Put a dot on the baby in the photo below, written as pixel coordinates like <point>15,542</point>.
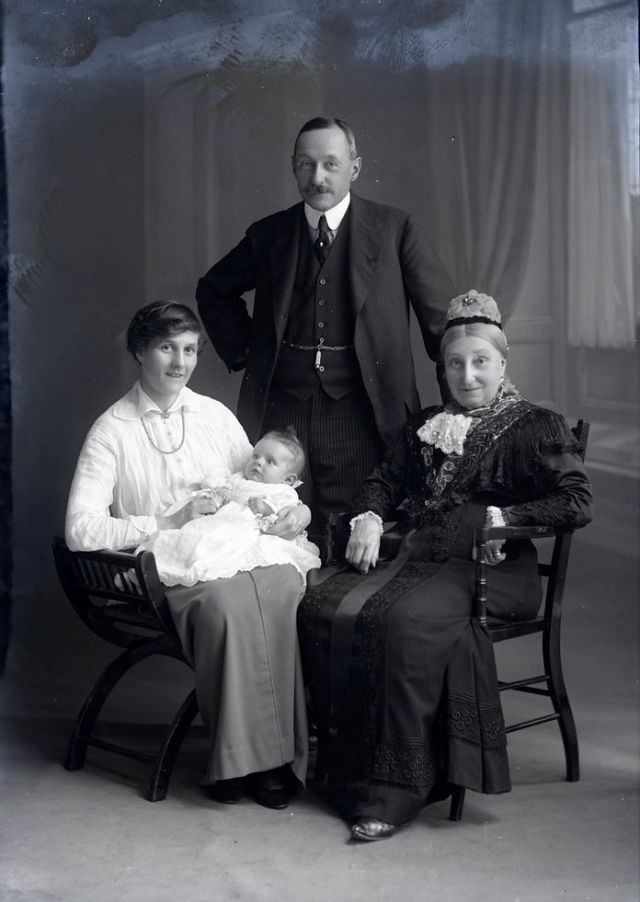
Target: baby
<point>235,537</point>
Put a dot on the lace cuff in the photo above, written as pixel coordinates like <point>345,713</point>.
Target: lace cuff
<point>495,517</point>
<point>367,515</point>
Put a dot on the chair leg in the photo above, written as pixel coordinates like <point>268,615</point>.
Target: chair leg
<point>560,699</point>
<point>457,803</point>
<point>159,773</point>
<point>111,675</point>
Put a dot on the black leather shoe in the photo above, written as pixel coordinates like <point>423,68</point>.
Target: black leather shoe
<point>273,788</point>
<point>227,791</point>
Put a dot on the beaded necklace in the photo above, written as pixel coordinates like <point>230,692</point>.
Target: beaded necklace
<point>161,450</point>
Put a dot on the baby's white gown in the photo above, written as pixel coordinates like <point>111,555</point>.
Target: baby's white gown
<point>222,544</point>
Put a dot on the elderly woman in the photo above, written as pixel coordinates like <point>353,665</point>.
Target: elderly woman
<point>157,443</point>
<point>399,672</point>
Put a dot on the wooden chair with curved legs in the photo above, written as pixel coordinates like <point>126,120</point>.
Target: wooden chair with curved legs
<point>550,683</point>
<point>119,597</point>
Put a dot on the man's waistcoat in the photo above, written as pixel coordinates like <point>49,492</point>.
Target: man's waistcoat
<point>320,314</point>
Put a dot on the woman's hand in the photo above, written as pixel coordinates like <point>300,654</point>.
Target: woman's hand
<point>363,546</point>
<point>493,553</point>
<point>291,521</point>
<point>204,501</point>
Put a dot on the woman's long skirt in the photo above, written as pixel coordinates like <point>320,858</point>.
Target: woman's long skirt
<point>239,635</point>
<point>404,680</point>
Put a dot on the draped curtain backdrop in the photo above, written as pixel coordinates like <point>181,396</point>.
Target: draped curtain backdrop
<point>495,114</point>
<point>482,115</point>
<point>600,265</point>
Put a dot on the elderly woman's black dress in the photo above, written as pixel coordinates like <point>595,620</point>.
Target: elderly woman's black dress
<point>399,673</point>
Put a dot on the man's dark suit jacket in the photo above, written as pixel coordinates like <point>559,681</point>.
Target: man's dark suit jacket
<point>390,267</point>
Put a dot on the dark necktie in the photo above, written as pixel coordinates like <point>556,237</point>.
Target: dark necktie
<point>323,241</point>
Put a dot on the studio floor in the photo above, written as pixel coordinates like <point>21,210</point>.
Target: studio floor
<point>88,836</point>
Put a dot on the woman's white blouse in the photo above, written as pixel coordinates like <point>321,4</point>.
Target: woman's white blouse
<point>122,482</point>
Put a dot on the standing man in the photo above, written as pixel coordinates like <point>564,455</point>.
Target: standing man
<point>327,346</point>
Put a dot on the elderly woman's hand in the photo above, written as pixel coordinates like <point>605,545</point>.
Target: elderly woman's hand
<point>363,546</point>
<point>291,521</point>
<point>493,553</point>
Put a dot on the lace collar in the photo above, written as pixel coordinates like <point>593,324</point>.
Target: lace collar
<point>448,430</point>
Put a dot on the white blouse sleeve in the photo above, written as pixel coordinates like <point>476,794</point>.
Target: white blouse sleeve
<point>239,445</point>
<point>89,525</point>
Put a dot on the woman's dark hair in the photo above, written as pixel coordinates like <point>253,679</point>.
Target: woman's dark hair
<point>158,320</point>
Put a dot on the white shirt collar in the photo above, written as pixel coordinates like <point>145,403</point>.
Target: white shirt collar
<point>137,402</point>
<point>334,216</point>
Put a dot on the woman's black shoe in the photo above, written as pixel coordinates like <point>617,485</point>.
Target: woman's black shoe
<point>272,788</point>
<point>227,791</point>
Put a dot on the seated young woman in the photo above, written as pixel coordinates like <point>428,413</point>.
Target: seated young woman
<point>157,443</point>
<point>399,672</point>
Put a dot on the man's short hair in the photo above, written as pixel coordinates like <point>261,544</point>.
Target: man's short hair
<point>320,122</point>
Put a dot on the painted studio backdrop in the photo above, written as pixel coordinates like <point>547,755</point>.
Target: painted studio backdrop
<point>143,138</point>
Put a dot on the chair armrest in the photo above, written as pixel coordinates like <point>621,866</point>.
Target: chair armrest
<point>484,534</point>
<point>488,533</point>
<point>130,580</point>
<point>391,539</point>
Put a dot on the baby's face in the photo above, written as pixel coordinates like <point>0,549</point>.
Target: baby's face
<point>270,462</point>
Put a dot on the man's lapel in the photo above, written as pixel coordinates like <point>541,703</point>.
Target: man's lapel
<point>283,258</point>
<point>364,250</point>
